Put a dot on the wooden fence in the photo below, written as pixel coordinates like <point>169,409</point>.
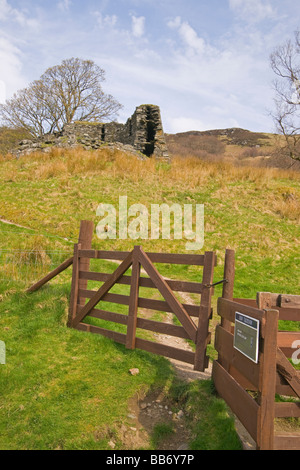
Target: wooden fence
<point>249,388</point>
<point>194,319</point>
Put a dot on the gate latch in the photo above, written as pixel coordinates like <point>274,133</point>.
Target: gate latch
<point>224,281</point>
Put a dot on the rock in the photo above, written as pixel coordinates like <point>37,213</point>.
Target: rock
<point>134,371</point>
<point>111,444</point>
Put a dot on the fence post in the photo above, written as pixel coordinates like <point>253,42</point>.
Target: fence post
<point>227,293</point>
<point>204,311</point>
<point>267,385</point>
<point>74,286</point>
<point>133,299</point>
<point>85,240</point>
<point>229,272</point>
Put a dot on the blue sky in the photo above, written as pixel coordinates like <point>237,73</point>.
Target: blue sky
<point>204,62</point>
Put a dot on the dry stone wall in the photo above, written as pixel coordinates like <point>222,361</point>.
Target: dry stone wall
<point>142,133</point>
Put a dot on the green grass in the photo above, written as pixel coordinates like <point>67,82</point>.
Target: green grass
<point>212,424</point>
<point>160,432</point>
<point>61,388</point>
<point>65,389</point>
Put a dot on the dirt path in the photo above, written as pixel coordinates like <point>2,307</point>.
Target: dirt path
<point>156,408</point>
<point>183,370</point>
<point>147,411</point>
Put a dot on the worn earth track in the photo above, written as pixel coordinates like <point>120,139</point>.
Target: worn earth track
<point>145,412</point>
<point>156,408</point>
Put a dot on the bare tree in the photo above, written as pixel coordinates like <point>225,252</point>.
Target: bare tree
<point>285,62</point>
<point>63,94</point>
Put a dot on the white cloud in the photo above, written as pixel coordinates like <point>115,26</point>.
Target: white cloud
<point>175,22</point>
<point>13,20</point>
<point>138,26</point>
<point>194,43</point>
<point>5,10</point>
<point>107,20</point>
<point>191,38</point>
<point>11,66</point>
<point>185,124</point>
<point>7,13</point>
<point>110,20</point>
<point>252,10</point>
<point>64,5</point>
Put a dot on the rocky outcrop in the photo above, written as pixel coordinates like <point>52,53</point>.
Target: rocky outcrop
<point>142,134</point>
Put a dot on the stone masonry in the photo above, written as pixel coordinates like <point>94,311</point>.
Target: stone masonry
<point>142,133</point>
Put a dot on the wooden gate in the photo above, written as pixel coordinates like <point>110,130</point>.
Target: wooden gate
<point>194,319</point>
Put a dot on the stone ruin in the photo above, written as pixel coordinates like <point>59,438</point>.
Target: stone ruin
<point>141,134</point>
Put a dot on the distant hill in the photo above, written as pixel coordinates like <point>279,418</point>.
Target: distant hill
<point>236,145</point>
<point>232,136</point>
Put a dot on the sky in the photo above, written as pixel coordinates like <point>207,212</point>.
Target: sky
<point>205,63</point>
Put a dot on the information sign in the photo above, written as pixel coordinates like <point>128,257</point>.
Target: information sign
<point>246,336</point>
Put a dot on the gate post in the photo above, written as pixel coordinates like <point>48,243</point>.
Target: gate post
<point>229,271</point>
<point>85,240</point>
<point>133,299</point>
<point>267,383</point>
<point>227,293</point>
<point>74,286</point>
<point>201,360</point>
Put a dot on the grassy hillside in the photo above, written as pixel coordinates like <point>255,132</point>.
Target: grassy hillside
<point>66,389</point>
<point>254,211</point>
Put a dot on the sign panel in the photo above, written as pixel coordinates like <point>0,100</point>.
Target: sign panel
<point>246,336</point>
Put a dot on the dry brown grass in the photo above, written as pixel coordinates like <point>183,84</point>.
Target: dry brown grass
<point>288,205</point>
<point>192,171</point>
<point>195,172</point>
